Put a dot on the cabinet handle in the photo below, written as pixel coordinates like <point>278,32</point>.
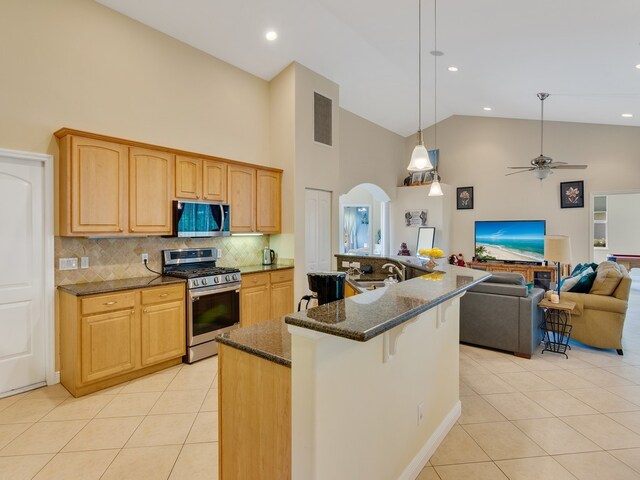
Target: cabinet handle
<point>122,229</point>
<point>110,303</point>
<point>133,229</point>
<point>164,295</point>
<point>133,312</point>
<point>145,311</point>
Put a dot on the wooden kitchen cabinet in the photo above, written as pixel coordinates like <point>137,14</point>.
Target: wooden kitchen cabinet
<point>268,201</point>
<point>214,181</point>
<point>242,198</point>
<point>188,178</point>
<point>265,295</point>
<point>108,339</point>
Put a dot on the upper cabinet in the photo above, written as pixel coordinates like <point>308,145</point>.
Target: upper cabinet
<point>268,201</point>
<point>188,178</point>
<point>242,198</point>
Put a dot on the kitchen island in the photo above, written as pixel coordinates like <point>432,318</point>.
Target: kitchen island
<point>365,387</point>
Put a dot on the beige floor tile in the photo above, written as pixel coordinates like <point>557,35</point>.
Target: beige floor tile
<point>570,363</point>
<point>482,353</point>
<point>458,447</point>
<point>502,440</point>
<point>486,384</point>
<point>526,381</point>
<point>630,393</point>
<point>477,410</point>
<point>26,410</point>
<point>214,384</point>
<point>209,364</point>
<point>179,401</point>
<point>564,379</point>
<point>516,406</point>
<point>466,390</point>
<point>50,391</point>
<point>631,420</point>
<point>148,463</point>
<point>104,433</point>
<point>8,401</point>
<point>535,363</point>
<point>555,437</point>
<point>191,380</point>
<point>596,466</point>
<point>599,358</point>
<point>534,468</point>
<point>604,431</point>
<point>629,456</point>
<point>603,400</point>
<point>151,383</point>
<point>10,432</point>
<point>130,404</point>
<point>198,461</point>
<point>471,471</point>
<point>472,367</point>
<point>84,408</point>
<point>162,430</point>
<point>210,403</point>
<point>44,437</point>
<point>427,473</point>
<point>560,403</point>
<point>500,365</point>
<point>23,467</point>
<point>601,377</point>
<point>77,465</point>
<point>204,429</point>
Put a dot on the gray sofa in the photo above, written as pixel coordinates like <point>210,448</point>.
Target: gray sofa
<point>499,313</point>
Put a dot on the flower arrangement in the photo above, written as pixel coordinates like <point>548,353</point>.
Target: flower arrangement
<point>434,252</point>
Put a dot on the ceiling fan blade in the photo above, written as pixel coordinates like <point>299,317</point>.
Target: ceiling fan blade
<point>528,168</point>
<point>560,163</point>
<point>521,171</point>
<point>569,167</point>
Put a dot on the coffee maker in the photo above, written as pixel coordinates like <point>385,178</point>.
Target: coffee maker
<point>327,287</point>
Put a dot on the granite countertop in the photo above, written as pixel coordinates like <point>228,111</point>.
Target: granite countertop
<point>365,277</point>
<point>270,340</point>
<point>92,288</point>
<point>407,261</point>
<point>364,316</point>
<point>263,268</point>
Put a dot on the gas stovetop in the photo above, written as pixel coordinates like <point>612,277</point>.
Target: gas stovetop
<point>198,266</point>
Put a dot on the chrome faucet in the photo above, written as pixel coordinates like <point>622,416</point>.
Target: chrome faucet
<point>394,269</point>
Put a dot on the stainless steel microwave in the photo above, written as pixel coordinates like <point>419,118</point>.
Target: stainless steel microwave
<point>192,219</point>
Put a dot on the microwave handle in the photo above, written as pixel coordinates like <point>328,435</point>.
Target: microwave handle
<point>222,218</point>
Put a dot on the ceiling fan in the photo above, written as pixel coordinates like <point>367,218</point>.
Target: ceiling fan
<point>542,166</point>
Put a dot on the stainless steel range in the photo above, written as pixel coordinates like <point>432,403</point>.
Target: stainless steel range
<point>213,297</point>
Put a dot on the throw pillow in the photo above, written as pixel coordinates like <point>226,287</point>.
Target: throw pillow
<point>576,269</point>
<point>584,284</point>
<point>607,279</point>
<point>568,283</point>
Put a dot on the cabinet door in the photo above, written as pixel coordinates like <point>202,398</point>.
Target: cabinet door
<point>214,181</point>
<point>281,299</point>
<point>162,330</point>
<point>150,177</point>
<point>98,186</point>
<point>108,344</point>
<point>188,178</point>
<point>242,198</point>
<point>254,305</point>
<point>268,201</point>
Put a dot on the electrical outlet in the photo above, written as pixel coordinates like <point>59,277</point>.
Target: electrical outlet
<point>345,264</point>
<point>219,253</point>
<point>145,257</point>
<point>355,264</point>
<point>84,262</point>
<point>68,264</point>
<point>420,412</point>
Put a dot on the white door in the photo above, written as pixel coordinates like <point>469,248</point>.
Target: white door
<point>22,316</point>
<point>317,230</point>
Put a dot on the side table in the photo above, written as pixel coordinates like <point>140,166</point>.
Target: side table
<point>557,325</point>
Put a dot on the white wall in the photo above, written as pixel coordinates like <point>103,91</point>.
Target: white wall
<point>623,213</point>
<point>476,151</point>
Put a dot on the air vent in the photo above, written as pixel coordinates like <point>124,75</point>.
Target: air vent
<point>322,124</point>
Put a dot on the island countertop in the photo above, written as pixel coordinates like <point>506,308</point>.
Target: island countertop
<point>270,340</point>
<point>365,316</point>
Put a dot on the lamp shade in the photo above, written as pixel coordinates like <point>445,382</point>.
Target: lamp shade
<point>436,189</point>
<point>420,159</point>
<point>557,248</point>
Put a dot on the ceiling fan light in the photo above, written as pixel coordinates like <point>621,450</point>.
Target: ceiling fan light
<point>436,189</point>
<point>541,173</point>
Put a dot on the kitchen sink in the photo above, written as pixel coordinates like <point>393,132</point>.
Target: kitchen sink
<point>370,285</point>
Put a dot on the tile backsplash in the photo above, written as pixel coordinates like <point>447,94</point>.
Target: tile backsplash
<point>118,258</point>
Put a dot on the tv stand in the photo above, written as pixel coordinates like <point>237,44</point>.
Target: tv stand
<point>540,275</point>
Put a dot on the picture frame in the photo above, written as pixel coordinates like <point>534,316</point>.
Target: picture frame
<point>415,218</point>
<point>416,178</point>
<point>572,194</point>
<point>464,198</point>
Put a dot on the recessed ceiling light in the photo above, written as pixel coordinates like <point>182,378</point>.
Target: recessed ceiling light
<point>627,115</point>
<point>638,66</point>
<point>452,69</point>
<point>271,35</point>
<point>487,109</point>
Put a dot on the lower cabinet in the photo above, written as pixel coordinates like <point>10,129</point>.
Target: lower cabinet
<point>107,339</point>
<point>265,295</point>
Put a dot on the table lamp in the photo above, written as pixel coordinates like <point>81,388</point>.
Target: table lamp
<point>557,248</point>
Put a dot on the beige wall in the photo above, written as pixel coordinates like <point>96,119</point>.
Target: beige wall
<point>476,151</point>
<point>75,63</point>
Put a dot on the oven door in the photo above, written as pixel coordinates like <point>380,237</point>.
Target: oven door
<point>211,310</point>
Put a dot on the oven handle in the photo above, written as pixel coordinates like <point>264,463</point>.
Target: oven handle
<point>195,294</point>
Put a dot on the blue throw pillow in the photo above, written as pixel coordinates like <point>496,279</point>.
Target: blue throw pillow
<point>584,284</point>
<point>576,269</point>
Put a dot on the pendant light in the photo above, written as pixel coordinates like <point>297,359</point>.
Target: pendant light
<point>436,189</point>
<point>420,157</point>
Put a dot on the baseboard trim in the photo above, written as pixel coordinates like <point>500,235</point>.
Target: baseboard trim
<point>55,379</point>
<point>428,449</point>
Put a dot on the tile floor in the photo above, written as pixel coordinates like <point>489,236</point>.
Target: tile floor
<point>547,417</point>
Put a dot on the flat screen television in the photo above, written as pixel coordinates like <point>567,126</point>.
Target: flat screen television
<point>514,241</point>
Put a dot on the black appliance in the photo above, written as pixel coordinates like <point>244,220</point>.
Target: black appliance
<point>327,287</point>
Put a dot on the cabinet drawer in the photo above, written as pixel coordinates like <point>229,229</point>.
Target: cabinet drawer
<point>108,303</point>
<point>282,276</point>
<point>255,279</point>
<point>162,294</point>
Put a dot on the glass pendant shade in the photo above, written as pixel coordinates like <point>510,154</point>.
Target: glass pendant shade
<point>420,157</point>
<point>541,173</point>
<point>436,189</point>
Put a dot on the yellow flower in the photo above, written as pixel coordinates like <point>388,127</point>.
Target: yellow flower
<point>434,252</point>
